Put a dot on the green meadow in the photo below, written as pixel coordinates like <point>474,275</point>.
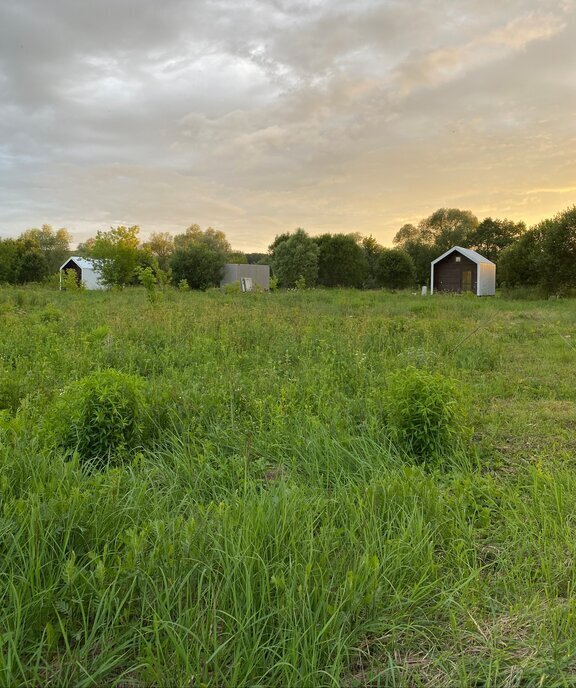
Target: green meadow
<point>269,523</point>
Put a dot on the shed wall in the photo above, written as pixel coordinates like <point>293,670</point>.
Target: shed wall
<point>448,274</point>
<point>91,279</point>
<point>234,272</point>
<point>486,279</point>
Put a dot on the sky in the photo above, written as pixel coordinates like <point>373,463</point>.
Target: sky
<point>256,117</point>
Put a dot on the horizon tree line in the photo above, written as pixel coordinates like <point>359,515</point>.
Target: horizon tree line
<point>543,256</point>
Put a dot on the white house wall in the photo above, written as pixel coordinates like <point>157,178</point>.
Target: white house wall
<point>91,279</point>
<point>486,279</point>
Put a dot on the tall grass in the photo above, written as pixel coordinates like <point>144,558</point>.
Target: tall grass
<point>273,533</point>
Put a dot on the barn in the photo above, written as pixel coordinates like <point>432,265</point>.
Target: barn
<point>86,270</point>
<point>463,270</point>
<point>247,275</point>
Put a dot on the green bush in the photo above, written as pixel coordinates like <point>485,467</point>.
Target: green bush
<point>103,417</point>
<point>425,413</point>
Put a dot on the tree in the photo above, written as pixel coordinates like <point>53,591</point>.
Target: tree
<point>449,227</point>
<point>294,256</point>
<point>117,253</point>
<point>54,245</point>
<point>395,269</point>
<point>9,261</point>
<point>257,258</point>
<point>237,257</point>
<point>492,236</point>
<point>341,261</point>
<point>214,238</point>
<point>422,255</point>
<point>522,263</point>
<point>372,251</point>
<point>161,246</point>
<point>199,264</point>
<point>559,252</point>
<point>32,264</point>
<point>406,233</point>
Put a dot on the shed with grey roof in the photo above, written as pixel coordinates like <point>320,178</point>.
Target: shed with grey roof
<point>87,272</point>
<point>463,270</point>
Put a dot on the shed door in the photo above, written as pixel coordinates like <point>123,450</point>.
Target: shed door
<point>467,280</point>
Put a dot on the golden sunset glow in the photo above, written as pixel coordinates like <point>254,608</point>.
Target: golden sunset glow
<point>258,117</point>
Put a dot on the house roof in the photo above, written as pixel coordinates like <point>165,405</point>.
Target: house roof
<point>474,256</point>
<point>82,263</point>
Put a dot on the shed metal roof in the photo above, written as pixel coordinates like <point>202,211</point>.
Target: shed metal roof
<point>474,256</point>
<point>82,263</point>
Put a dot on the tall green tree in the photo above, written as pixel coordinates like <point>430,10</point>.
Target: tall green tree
<point>213,238</point>
<point>31,262</point>
<point>559,252</point>
<point>9,261</point>
<point>117,253</point>
<point>54,244</point>
<point>372,251</point>
<point>522,263</point>
<point>492,236</point>
<point>161,246</point>
<point>200,264</point>
<point>448,227</point>
<point>395,269</point>
<point>294,256</point>
<point>341,261</point>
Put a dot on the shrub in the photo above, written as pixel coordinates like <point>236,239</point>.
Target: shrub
<point>103,417</point>
<point>425,413</point>
<point>70,282</point>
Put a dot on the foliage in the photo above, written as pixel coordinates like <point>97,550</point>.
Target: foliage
<point>272,530</point>
<point>522,262</point>
<point>214,239</point>
<point>32,263</point>
<point>341,261</point>
<point>117,254</point>
<point>54,245</point>
<point>294,256</point>
<point>149,281</point>
<point>198,263</point>
<point>395,269</point>
<point>237,258</point>
<point>492,236</point>
<point>558,269</point>
<point>102,417</point>
<point>372,251</point>
<point>424,414</point>
<point>160,246</point>
<point>422,255</point>
<point>450,227</point>
<point>70,282</point>
<point>9,261</point>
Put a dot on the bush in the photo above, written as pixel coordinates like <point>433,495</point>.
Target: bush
<point>103,417</point>
<point>425,414</point>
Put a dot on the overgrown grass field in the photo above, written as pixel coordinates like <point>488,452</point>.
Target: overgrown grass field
<point>269,521</point>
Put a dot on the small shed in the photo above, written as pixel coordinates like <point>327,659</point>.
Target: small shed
<point>87,272</point>
<point>246,275</point>
<point>463,270</point>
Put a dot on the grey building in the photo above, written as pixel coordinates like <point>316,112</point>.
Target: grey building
<point>248,276</point>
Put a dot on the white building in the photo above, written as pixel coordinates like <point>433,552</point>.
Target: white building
<point>86,270</point>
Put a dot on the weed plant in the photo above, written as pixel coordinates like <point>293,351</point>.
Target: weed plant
<point>271,529</point>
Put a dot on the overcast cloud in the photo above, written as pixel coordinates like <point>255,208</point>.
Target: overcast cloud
<point>257,117</point>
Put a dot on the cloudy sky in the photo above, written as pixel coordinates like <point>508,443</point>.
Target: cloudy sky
<point>259,116</point>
